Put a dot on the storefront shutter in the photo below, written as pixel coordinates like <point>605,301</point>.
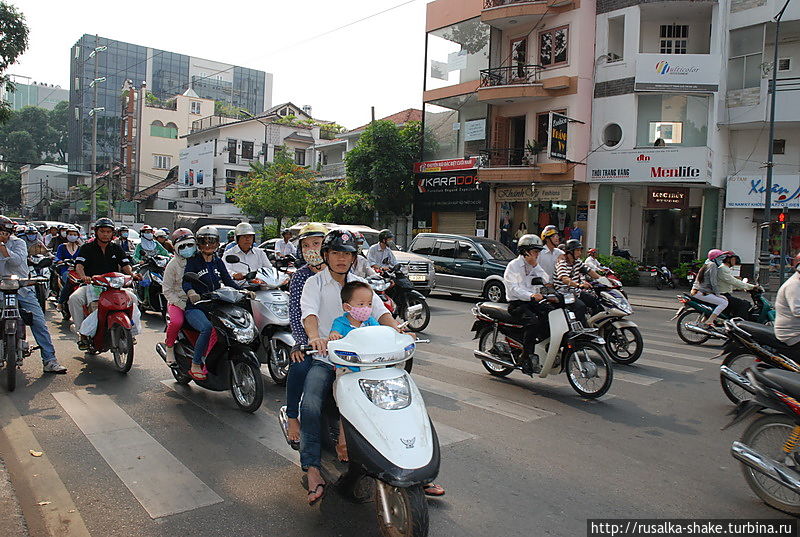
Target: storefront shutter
<point>456,223</point>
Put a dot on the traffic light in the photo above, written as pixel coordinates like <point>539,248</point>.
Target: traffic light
<point>782,218</point>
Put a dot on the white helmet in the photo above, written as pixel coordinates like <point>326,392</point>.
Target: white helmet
<point>160,233</point>
<point>244,228</point>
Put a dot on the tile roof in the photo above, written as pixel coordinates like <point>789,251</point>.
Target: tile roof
<point>400,118</point>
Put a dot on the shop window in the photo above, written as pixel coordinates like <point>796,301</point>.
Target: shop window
<point>616,39</point>
<point>674,38</point>
<point>612,135</point>
<point>553,45</point>
<point>744,53</point>
<point>672,120</point>
<point>666,132</point>
<point>423,246</point>
<point>778,147</point>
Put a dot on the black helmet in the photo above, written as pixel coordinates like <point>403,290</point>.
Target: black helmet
<point>104,222</point>
<point>339,240</point>
<point>385,234</point>
<point>572,245</point>
<point>120,229</point>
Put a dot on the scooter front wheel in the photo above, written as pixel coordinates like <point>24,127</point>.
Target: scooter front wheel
<point>402,512</point>
<point>12,352</point>
<point>624,345</point>
<point>589,370</point>
<point>122,348</point>
<point>249,391</point>
<point>278,363</point>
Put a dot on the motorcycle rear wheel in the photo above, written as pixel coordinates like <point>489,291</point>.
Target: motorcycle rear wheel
<point>618,344</point>
<point>407,508</point>
<point>420,323</point>
<point>658,283</point>
<point>249,393</point>
<point>577,379</point>
<point>278,366</point>
<point>122,348</point>
<point>484,345</point>
<point>738,361</point>
<point>767,435</point>
<point>12,352</point>
<point>688,336</point>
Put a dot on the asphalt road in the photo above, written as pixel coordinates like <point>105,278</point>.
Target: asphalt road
<point>519,456</point>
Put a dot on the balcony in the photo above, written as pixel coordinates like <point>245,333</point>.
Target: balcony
<point>518,83</point>
<point>508,14</point>
<point>514,165</point>
<point>334,170</point>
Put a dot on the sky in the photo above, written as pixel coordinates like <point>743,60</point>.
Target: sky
<point>376,62</point>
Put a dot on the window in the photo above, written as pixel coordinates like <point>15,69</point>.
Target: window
<point>445,249</point>
<point>162,162</point>
<point>300,157</point>
<point>553,46</point>
<point>612,135</point>
<point>77,83</point>
<point>675,119</point>
<point>671,132</point>
<point>158,129</point>
<point>674,38</point>
<point>616,39</point>
<point>247,150</point>
<point>779,147</point>
<point>77,113</point>
<point>744,63</point>
<point>467,251</point>
<point>784,64</point>
<point>77,51</point>
<point>423,245</point>
<point>231,151</point>
<point>282,112</point>
<point>519,56</point>
<point>195,107</point>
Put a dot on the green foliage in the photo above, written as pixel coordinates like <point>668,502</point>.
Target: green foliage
<point>280,189</point>
<point>10,191</point>
<point>13,43</point>
<point>221,108</point>
<point>683,269</point>
<point>627,270</point>
<point>33,135</point>
<point>337,202</point>
<point>380,165</point>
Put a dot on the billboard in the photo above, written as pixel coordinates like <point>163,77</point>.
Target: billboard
<point>196,167</point>
<point>651,165</point>
<point>681,72</point>
<point>748,192</point>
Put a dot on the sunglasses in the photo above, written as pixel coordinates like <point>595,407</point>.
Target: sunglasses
<point>205,240</point>
<point>186,245</point>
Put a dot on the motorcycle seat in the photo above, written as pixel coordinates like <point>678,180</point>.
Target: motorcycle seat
<point>498,312</point>
<point>786,382</point>
<point>762,334</point>
<point>190,334</point>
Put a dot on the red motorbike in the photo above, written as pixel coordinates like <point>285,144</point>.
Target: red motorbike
<point>114,318</point>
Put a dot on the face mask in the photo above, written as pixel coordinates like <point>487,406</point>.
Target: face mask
<point>313,257</point>
<point>63,233</point>
<point>31,237</point>
<point>188,252</point>
<point>148,236</point>
<point>72,238</point>
<point>124,234</point>
<point>361,313</point>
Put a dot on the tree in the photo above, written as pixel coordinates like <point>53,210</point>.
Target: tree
<point>13,43</point>
<point>280,189</point>
<point>221,108</point>
<point>337,202</point>
<point>381,165</point>
<point>58,122</point>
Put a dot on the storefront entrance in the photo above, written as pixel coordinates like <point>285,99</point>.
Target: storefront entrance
<point>671,236</point>
<point>457,223</point>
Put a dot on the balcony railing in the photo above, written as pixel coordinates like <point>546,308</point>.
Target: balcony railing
<point>488,4</point>
<point>505,157</point>
<point>510,75</point>
<point>335,169</point>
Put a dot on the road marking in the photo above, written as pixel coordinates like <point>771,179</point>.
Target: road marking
<point>669,354</point>
<point>635,378</point>
<point>154,476</point>
<point>668,365</point>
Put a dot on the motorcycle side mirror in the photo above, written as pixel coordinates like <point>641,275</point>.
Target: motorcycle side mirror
<point>537,281</point>
<point>46,262</point>
<point>745,280</point>
<point>230,258</point>
<point>249,275</point>
<point>397,267</point>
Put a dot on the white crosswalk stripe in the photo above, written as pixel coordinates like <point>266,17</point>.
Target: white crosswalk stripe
<point>667,365</point>
<point>703,359</point>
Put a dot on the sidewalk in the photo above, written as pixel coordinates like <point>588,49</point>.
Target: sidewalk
<point>12,524</point>
<point>653,298</point>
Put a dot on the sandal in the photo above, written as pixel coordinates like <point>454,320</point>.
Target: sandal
<point>432,489</point>
<point>197,375</point>
<point>315,491</point>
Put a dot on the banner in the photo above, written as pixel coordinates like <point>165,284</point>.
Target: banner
<point>450,191</point>
<point>667,198</point>
<point>552,193</point>
<point>196,166</point>
<point>474,130</point>
<point>651,165</point>
<point>510,194</point>
<point>557,138</point>
<point>681,72</point>
<point>445,165</point>
<point>750,192</point>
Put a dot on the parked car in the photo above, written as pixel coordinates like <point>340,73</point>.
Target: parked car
<point>465,264</point>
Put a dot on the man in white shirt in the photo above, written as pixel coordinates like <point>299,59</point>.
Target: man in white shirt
<point>251,257</point>
<point>380,255</point>
<point>551,253</point>
<point>591,260</point>
<point>524,295</point>
<point>284,247</point>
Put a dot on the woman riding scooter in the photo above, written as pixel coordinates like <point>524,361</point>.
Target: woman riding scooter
<point>706,287</point>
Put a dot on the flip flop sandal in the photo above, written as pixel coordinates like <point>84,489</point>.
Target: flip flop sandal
<point>432,489</point>
<point>316,489</point>
<point>197,376</point>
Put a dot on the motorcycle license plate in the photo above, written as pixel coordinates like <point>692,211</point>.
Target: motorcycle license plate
<point>416,277</point>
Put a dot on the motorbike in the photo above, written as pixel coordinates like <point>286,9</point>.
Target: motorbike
<point>150,288</point>
<point>408,303</point>
<point>13,343</point>
<point>570,347</point>
<point>694,311</point>
<point>270,310</point>
<point>392,444</point>
<point>624,343</point>
<point>70,284</point>
<point>751,344</point>
<point>114,318</point>
<point>40,269</point>
<point>231,364</point>
<point>767,450</point>
<point>663,276</point>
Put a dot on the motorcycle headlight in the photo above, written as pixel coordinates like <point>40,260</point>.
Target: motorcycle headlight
<point>243,332</point>
<point>619,302</point>
<point>116,282</point>
<point>389,394</point>
<point>280,310</point>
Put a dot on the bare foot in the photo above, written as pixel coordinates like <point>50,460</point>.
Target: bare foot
<point>294,430</point>
<point>316,485</point>
<point>341,450</point>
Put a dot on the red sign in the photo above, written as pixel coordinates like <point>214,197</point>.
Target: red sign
<point>667,198</point>
<point>446,165</point>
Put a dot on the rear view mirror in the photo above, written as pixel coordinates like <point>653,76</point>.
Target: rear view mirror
<point>476,257</point>
<point>231,258</point>
<point>537,281</point>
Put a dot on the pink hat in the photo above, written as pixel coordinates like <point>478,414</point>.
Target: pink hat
<point>713,254</point>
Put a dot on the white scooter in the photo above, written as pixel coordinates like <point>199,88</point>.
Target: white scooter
<point>390,437</point>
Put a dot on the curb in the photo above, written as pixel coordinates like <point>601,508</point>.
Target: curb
<point>35,475</point>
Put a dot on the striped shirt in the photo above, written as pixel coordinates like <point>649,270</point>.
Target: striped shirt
<point>564,269</point>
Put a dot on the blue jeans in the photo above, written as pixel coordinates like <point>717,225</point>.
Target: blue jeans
<point>295,381</point>
<point>319,382</point>
<point>63,296</point>
<point>198,320</point>
<point>27,301</point>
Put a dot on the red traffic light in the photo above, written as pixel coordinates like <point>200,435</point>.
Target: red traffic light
<point>781,217</point>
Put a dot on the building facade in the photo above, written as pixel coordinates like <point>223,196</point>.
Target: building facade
<point>43,185</point>
<point>28,92</point>
<point>165,74</point>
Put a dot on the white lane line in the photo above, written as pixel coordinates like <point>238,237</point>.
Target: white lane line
<point>683,356</point>
<point>668,365</point>
<point>635,378</point>
<point>154,476</point>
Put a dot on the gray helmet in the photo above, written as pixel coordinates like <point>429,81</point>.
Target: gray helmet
<point>529,242</point>
<point>207,234</point>
<point>244,228</point>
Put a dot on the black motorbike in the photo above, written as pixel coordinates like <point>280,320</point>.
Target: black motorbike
<point>231,364</point>
<point>662,276</point>
<point>400,298</point>
<point>150,288</point>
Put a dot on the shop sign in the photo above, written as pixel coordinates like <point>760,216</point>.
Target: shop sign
<point>651,165</point>
<point>510,194</point>
<point>749,191</point>
<point>667,198</point>
<point>681,72</point>
<point>474,130</point>
<point>552,193</point>
<point>452,191</point>
<point>557,140</point>
<point>582,212</point>
<point>432,166</point>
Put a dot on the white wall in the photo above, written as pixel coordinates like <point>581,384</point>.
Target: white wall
<point>746,151</point>
<point>739,234</point>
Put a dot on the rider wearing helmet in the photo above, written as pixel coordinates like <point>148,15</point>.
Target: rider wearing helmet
<point>65,252</point>
<point>284,246</point>
<point>14,262</point>
<point>122,239</point>
<point>551,252</point>
<point>591,260</point>
<point>523,294</point>
<point>52,233</point>
<point>787,308</point>
<point>320,304</point>
<point>706,286</point>
<point>231,240</point>
<point>727,283</point>
<point>361,267</point>
<point>148,246</point>
<point>33,241</point>
<point>162,238</point>
<point>251,258</point>
<point>570,272</point>
<point>380,255</point>
<point>100,256</point>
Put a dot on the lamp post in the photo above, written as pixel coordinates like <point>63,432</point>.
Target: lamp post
<point>93,113</point>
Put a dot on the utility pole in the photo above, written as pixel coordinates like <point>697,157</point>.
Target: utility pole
<point>375,217</point>
<point>110,186</point>
<point>95,109</point>
<point>766,227</point>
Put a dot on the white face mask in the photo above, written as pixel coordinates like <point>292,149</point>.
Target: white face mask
<point>63,233</point>
<point>148,236</point>
<point>72,238</point>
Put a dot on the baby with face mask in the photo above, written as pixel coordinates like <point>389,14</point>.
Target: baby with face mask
<point>357,304</point>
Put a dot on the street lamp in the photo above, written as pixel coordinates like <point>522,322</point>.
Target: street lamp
<point>266,131</point>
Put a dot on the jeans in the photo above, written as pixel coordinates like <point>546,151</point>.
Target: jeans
<point>27,301</point>
<point>319,383</point>
<point>197,319</point>
<point>63,295</point>
<point>295,381</point>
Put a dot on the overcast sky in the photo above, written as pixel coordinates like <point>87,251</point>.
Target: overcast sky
<point>376,62</point>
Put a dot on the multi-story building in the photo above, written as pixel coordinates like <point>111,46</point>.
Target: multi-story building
<point>219,151</point>
<point>165,73</point>
<point>28,92</point>
<point>656,167</point>
<point>42,185</point>
<point>495,71</point>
